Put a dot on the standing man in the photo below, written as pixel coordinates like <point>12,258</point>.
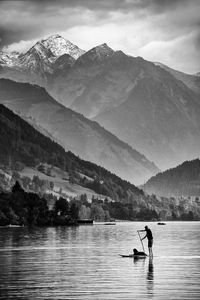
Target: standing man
<point>149,236</point>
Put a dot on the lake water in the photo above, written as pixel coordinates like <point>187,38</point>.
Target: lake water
<point>84,263</point>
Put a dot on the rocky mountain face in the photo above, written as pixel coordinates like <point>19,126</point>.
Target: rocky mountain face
<point>184,180</point>
<point>153,108</point>
<point>95,55</point>
<point>8,58</point>
<point>74,132</point>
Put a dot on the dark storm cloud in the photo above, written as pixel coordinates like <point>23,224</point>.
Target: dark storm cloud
<point>17,17</point>
<point>113,5</point>
<point>11,34</point>
<point>21,20</point>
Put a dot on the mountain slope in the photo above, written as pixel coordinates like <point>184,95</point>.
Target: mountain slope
<point>74,132</point>
<point>182,180</point>
<point>191,81</point>
<point>160,117</point>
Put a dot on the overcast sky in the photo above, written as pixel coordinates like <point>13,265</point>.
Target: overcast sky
<point>166,31</point>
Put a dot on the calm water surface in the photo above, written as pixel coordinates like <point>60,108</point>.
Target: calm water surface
<point>84,263</point>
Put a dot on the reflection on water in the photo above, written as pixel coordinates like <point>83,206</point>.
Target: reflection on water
<point>150,277</point>
<point>150,270</point>
<point>143,267</point>
<point>84,263</point>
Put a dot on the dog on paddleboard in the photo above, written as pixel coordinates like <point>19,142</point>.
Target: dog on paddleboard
<point>138,253</point>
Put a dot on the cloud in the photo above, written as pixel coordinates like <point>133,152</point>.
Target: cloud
<point>173,53</point>
<point>155,29</point>
<point>21,46</point>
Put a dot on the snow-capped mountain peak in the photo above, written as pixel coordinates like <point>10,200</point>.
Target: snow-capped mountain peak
<point>42,58</point>
<point>59,46</point>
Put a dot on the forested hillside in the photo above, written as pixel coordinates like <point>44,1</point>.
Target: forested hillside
<point>182,180</point>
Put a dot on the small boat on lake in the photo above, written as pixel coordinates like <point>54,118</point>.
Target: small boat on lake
<point>161,223</point>
<point>105,223</point>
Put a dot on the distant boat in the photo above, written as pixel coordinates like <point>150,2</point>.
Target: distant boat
<point>85,221</point>
<point>110,223</point>
<point>161,223</point>
<point>105,223</point>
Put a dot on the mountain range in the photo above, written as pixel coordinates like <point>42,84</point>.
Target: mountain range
<point>23,147</point>
<point>74,132</point>
<point>151,107</point>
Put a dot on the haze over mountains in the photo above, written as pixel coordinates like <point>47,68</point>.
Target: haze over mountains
<point>74,132</point>
<point>152,108</point>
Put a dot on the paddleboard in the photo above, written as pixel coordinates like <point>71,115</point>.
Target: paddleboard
<point>134,256</point>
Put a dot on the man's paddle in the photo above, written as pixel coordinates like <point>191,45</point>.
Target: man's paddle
<point>141,241</point>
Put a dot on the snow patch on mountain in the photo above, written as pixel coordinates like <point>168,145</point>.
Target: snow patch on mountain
<point>8,58</point>
<point>59,46</point>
